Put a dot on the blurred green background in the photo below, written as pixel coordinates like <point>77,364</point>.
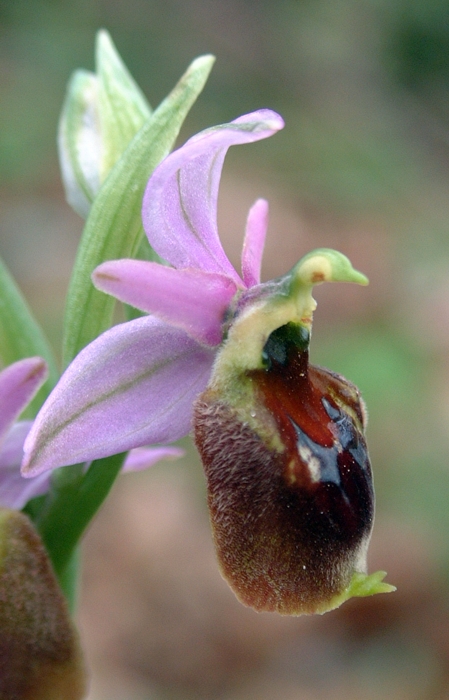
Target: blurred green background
<point>362,165</point>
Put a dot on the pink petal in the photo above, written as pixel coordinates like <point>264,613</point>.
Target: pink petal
<point>18,384</point>
<point>180,203</point>
<point>253,245</point>
<point>133,386</point>
<point>190,299</point>
<point>144,457</point>
<point>15,491</point>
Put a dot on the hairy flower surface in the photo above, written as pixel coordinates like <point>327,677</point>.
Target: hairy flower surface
<point>136,384</point>
<point>289,479</point>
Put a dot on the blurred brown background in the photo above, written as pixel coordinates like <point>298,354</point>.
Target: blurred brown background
<point>362,165</point>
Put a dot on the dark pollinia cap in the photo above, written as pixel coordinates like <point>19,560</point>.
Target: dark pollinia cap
<point>289,480</point>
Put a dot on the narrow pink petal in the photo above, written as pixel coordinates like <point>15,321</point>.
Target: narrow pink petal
<point>180,203</point>
<point>190,299</point>
<point>15,491</point>
<point>253,245</point>
<point>18,384</point>
<point>144,457</point>
<point>133,386</point>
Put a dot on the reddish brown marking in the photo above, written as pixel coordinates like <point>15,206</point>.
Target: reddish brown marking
<point>34,372</point>
<point>105,276</point>
<point>294,392</point>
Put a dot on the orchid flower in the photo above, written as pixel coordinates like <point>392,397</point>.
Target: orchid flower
<point>136,383</point>
<point>18,384</point>
<point>282,442</point>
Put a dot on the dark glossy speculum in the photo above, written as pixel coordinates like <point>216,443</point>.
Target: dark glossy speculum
<point>289,481</point>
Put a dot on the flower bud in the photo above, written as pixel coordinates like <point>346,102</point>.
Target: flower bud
<point>282,442</point>
<point>40,658</point>
<point>102,113</point>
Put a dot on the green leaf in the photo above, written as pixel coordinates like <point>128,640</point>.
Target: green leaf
<point>21,335</point>
<point>113,229</point>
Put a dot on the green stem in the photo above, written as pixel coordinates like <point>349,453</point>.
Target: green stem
<point>74,499</point>
<point>69,580</point>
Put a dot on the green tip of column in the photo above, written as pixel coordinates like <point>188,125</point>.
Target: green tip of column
<point>326,265</point>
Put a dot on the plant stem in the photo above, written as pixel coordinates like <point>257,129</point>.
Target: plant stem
<point>73,500</point>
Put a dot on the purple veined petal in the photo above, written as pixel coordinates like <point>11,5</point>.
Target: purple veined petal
<point>132,386</point>
<point>253,245</point>
<point>144,457</point>
<point>18,384</point>
<point>190,299</point>
<point>180,203</point>
<point>15,491</point>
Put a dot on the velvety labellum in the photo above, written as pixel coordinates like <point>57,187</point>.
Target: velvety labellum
<point>291,523</point>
